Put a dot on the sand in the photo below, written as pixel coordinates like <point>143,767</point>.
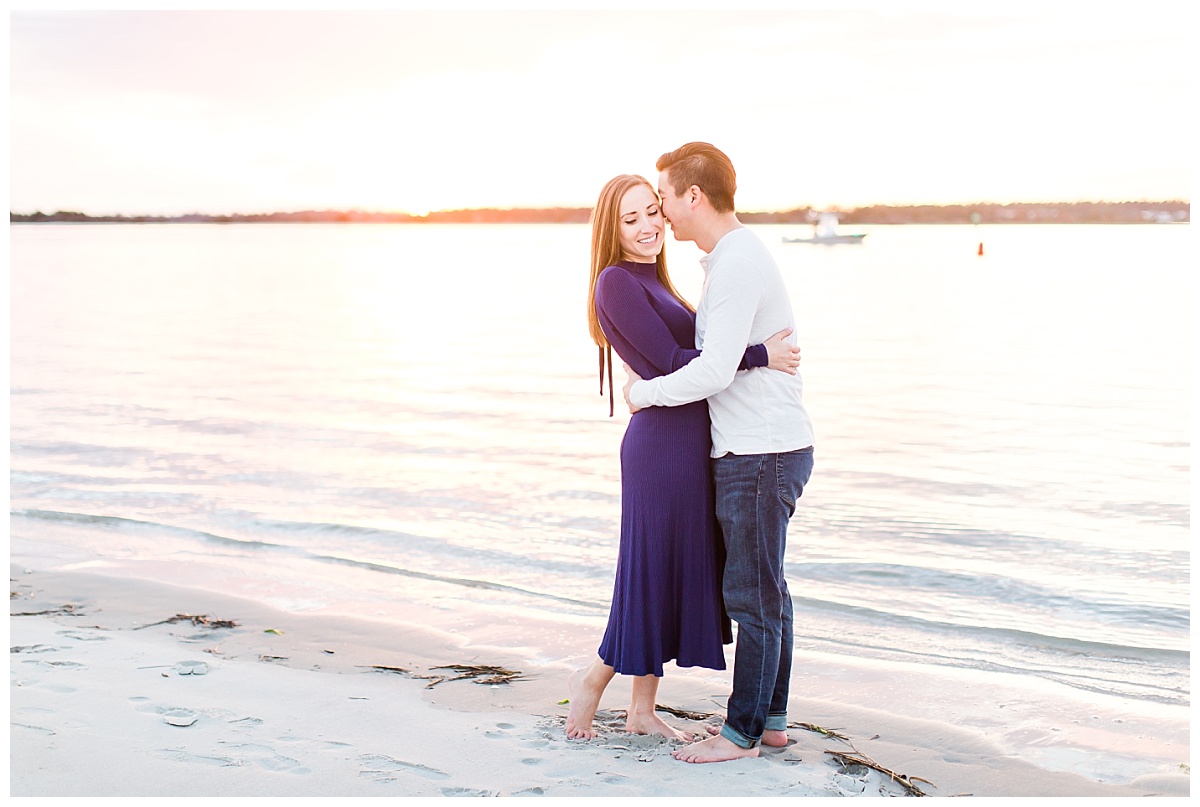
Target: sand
<point>105,702</point>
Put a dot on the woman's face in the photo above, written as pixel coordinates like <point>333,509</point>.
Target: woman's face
<point>640,224</point>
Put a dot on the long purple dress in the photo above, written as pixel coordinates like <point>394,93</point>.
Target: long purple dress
<point>666,601</point>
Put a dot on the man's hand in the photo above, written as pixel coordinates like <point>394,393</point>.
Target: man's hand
<point>633,379</point>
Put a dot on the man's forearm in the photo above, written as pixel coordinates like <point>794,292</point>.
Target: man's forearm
<point>730,306</point>
<point>677,389</point>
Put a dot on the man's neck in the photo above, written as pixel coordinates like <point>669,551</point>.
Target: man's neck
<point>721,226</point>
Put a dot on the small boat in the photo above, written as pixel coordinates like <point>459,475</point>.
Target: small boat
<point>825,232</point>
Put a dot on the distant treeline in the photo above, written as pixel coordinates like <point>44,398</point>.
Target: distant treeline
<point>552,215</point>
<point>984,213</point>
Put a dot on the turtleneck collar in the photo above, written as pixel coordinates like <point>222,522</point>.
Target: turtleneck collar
<point>639,268</point>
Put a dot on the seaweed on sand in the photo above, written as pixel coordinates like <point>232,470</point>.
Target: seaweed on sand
<point>684,713</point>
<point>68,609</point>
<point>819,730</point>
<point>479,673</point>
<point>859,758</point>
<point>199,620</point>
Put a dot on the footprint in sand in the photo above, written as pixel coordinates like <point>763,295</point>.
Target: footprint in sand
<point>232,718</point>
<point>61,689</point>
<point>172,715</point>
<point>384,769</point>
<point>224,715</point>
<point>80,636</point>
<point>179,755</point>
<point>243,756</point>
<point>38,713</point>
<point>247,722</point>
<point>59,665</point>
<point>327,745</point>
<point>190,668</point>
<point>265,757</point>
<point>37,648</point>
<point>180,717</point>
<point>199,638</point>
<point>34,729</point>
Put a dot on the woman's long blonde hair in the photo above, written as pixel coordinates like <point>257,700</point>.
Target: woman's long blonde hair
<point>606,246</point>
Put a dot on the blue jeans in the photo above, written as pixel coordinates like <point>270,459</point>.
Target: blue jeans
<point>756,496</point>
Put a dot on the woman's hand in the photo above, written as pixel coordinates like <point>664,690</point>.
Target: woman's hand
<point>781,355</point>
<point>633,379</point>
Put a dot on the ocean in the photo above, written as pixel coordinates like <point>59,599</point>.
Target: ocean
<point>317,415</point>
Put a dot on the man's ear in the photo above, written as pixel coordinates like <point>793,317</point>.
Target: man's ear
<point>694,195</point>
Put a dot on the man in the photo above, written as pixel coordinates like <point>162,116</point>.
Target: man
<point>762,438</point>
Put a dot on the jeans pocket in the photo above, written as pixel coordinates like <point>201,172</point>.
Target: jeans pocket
<point>792,472</point>
<point>785,487</point>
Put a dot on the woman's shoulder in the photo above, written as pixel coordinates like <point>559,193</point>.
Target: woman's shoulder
<point>614,269</point>
<point>615,276</point>
<point>617,287</point>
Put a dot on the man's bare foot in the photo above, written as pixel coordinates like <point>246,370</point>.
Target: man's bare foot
<point>653,724</point>
<point>714,749</point>
<point>775,739</point>
<point>584,701</point>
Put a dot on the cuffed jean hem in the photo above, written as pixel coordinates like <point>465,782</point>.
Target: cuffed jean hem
<point>737,738</point>
<point>774,723</point>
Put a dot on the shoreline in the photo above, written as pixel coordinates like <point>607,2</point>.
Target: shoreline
<point>291,704</point>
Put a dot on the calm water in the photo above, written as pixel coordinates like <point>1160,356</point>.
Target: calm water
<point>1002,476</point>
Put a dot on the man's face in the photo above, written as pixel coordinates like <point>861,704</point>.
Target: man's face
<point>674,208</point>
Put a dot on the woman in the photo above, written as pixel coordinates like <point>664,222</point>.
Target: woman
<point>667,594</point>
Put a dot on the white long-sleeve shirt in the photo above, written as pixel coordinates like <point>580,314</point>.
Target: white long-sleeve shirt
<point>743,302</point>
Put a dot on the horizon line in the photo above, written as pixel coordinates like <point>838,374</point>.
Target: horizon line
<point>800,208</point>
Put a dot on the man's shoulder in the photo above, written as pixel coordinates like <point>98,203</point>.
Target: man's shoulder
<point>741,242</point>
<point>743,251</point>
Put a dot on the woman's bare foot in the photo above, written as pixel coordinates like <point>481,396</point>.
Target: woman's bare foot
<point>775,739</point>
<point>653,724</point>
<point>714,749</point>
<point>585,699</point>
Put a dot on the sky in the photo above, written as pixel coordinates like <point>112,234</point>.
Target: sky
<point>172,112</point>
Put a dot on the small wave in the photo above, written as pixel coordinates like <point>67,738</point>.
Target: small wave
<point>124,523</point>
<point>1130,682</point>
<point>991,595</point>
<point>907,625</point>
<point>459,581</point>
<point>385,541</point>
<point>254,545</point>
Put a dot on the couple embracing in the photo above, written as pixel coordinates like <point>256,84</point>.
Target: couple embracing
<point>713,462</point>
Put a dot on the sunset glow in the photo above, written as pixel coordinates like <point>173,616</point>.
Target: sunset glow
<point>174,112</point>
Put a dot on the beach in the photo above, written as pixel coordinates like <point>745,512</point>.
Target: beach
<point>129,687</point>
<point>380,451</point>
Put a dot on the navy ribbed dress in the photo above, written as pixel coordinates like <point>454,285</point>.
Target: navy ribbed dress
<point>666,601</point>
